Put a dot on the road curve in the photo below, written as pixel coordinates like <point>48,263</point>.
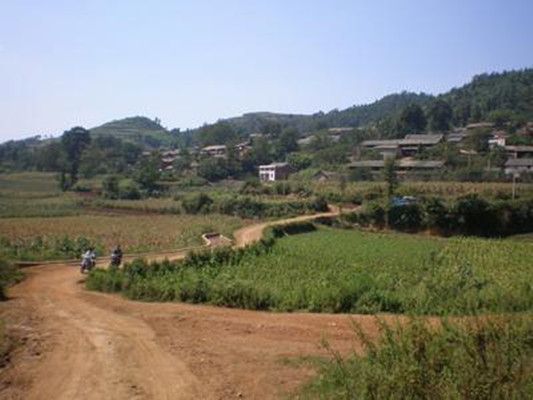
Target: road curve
<point>87,345</point>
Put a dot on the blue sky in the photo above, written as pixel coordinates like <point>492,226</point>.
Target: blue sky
<point>66,63</point>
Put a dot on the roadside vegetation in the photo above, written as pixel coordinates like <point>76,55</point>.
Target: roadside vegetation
<point>473,359</point>
<point>9,275</point>
<point>330,270</point>
<point>68,237</point>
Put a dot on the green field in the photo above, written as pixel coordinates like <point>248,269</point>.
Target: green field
<point>352,271</point>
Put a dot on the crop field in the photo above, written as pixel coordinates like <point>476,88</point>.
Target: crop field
<point>369,190</point>
<point>45,238</point>
<point>32,194</point>
<point>352,271</point>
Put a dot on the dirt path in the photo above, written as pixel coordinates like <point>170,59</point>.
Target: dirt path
<point>86,345</point>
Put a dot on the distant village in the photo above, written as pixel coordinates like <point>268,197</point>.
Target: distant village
<point>371,155</point>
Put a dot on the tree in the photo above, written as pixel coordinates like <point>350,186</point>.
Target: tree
<point>110,186</point>
<point>389,174</point>
<point>74,142</point>
<point>286,143</point>
<point>479,140</point>
<point>412,120</point>
<point>219,133</point>
<point>213,169</point>
<point>147,173</point>
<point>299,161</point>
<point>440,116</point>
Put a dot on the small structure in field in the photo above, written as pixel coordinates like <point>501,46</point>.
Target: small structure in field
<point>274,172</point>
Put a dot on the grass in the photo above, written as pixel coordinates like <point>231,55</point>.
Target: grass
<point>43,238</point>
<point>476,359</point>
<point>32,194</point>
<point>349,271</point>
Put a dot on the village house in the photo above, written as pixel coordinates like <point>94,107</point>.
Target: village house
<point>517,166</point>
<point>218,150</point>
<point>408,146</point>
<point>243,148</point>
<point>340,130</point>
<point>498,138</point>
<point>274,172</point>
<point>519,151</point>
<point>402,166</point>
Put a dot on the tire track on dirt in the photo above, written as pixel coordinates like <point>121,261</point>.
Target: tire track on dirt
<point>100,346</point>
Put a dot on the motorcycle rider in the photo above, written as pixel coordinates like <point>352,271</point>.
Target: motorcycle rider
<point>88,259</point>
<point>116,256</point>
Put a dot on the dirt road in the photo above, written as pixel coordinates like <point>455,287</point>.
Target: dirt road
<point>86,345</point>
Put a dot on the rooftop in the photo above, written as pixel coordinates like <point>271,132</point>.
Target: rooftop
<point>422,164</point>
<point>519,162</point>
<point>214,147</point>
<point>524,149</point>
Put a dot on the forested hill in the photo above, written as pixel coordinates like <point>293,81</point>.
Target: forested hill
<point>140,130</point>
<point>475,101</point>
<point>353,116</point>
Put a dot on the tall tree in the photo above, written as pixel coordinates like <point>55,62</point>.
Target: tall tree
<point>412,120</point>
<point>74,141</point>
<point>440,116</point>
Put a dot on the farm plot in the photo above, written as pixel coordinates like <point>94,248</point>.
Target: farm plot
<point>351,271</point>
<point>48,238</point>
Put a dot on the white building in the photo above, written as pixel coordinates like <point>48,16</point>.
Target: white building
<point>273,172</point>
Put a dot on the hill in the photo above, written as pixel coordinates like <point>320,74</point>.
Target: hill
<point>510,92</point>
<point>139,130</point>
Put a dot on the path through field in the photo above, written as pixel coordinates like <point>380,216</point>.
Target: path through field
<point>86,345</point>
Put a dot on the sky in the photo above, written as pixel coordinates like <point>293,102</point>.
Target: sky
<point>69,63</point>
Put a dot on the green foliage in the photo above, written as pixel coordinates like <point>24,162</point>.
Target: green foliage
<point>147,173</point>
<point>390,177</point>
<point>197,203</point>
<point>440,116</point>
<point>412,120</point>
<point>405,218</point>
<point>9,274</point>
<point>299,161</point>
<point>110,187</point>
<point>477,359</point>
<point>213,169</point>
<point>73,142</point>
<point>348,271</point>
<point>45,248</point>
<point>219,133</point>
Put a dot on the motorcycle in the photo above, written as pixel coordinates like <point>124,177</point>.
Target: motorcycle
<point>116,260</point>
<point>87,264</point>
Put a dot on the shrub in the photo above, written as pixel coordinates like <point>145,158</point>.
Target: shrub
<point>9,274</point>
<point>475,216</point>
<point>406,217</point>
<point>479,359</point>
<point>197,203</point>
<point>129,190</point>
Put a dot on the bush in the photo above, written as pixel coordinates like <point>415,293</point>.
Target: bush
<point>110,187</point>
<point>9,274</point>
<point>405,217</point>
<point>475,216</point>
<point>197,203</point>
<point>480,359</point>
<point>129,190</point>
